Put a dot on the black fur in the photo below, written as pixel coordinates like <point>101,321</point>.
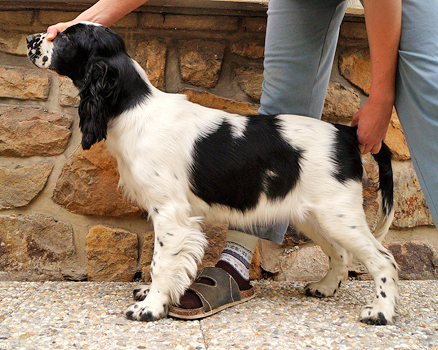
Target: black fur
<point>386,178</point>
<point>349,164</point>
<point>97,62</point>
<point>347,154</point>
<point>235,171</point>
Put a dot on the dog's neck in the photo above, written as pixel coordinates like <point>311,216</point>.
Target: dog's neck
<point>135,86</point>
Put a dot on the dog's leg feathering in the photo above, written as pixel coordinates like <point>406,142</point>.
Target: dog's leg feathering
<point>179,245</point>
<point>354,235</point>
<point>339,260</point>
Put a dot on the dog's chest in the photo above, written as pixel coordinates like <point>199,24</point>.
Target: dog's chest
<point>152,170</point>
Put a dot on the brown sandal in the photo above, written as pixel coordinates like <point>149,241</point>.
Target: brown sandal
<point>223,294</point>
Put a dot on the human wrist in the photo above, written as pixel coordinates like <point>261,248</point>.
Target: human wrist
<point>383,96</point>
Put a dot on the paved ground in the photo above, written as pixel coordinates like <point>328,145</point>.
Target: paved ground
<point>71,315</point>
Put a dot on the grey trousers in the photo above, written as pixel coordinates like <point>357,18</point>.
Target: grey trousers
<point>300,46</point>
<point>417,92</point>
<point>301,38</point>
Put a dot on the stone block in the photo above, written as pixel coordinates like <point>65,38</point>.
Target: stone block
<point>151,20</point>
<point>299,263</point>
<point>354,31</point>
<point>216,236</point>
<point>201,62</point>
<point>32,131</point>
<point>89,185</point>
<point>255,270</point>
<point>189,22</point>
<point>49,18</point>
<point>254,24</point>
<point>293,237</point>
<point>68,93</point>
<point>146,256</point>
<point>248,48</point>
<point>250,80</point>
<point>129,21</point>
<point>151,55</point>
<point>36,247</point>
<point>20,185</point>
<point>355,66</point>
<point>416,260</point>
<point>341,103</point>
<point>411,209</point>
<point>395,139</point>
<point>213,101</point>
<point>8,18</point>
<point>24,83</point>
<point>13,43</point>
<point>370,192</point>
<point>112,254</point>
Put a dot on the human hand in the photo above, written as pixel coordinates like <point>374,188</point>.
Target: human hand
<point>372,122</point>
<point>53,31</point>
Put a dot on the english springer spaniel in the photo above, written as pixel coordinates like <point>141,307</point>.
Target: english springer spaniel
<point>185,163</point>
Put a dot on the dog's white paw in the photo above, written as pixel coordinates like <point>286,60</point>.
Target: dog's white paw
<point>144,311</point>
<point>377,314</point>
<point>325,288</point>
<point>141,292</point>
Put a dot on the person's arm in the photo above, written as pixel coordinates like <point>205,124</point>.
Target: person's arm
<point>105,12</point>
<point>383,22</point>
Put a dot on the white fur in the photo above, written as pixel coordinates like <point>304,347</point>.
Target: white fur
<point>153,144</point>
<point>166,127</point>
<point>42,55</point>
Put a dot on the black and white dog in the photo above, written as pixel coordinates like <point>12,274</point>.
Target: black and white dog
<point>184,163</point>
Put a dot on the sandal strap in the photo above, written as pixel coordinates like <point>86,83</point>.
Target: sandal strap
<point>224,291</point>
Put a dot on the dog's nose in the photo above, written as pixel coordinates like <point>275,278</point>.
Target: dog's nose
<point>33,40</point>
<point>30,38</point>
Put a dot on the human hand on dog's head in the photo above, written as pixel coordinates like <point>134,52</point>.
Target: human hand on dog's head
<point>53,30</point>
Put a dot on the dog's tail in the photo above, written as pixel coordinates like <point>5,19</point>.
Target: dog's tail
<point>386,188</point>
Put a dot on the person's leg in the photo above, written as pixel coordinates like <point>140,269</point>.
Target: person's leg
<point>301,39</point>
<point>235,259</point>
<point>417,92</point>
<point>301,42</point>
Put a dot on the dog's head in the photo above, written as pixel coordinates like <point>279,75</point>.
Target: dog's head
<point>94,57</point>
<point>75,50</point>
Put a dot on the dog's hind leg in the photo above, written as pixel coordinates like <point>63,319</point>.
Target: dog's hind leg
<point>339,260</point>
<point>179,245</point>
<point>352,232</point>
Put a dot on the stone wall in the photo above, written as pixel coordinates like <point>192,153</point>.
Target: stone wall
<point>62,216</point>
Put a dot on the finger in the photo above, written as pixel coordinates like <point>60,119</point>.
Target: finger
<point>376,148</point>
<point>52,32</point>
<point>354,121</point>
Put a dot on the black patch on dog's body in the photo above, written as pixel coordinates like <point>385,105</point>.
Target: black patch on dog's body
<point>347,154</point>
<point>234,171</point>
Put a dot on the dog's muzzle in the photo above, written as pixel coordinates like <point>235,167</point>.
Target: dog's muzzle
<point>39,50</point>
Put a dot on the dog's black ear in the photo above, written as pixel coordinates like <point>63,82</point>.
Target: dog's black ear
<point>98,94</point>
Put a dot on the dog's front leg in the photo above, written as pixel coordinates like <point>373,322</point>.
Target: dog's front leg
<point>179,245</point>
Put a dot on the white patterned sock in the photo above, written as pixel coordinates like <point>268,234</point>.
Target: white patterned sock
<point>238,251</point>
